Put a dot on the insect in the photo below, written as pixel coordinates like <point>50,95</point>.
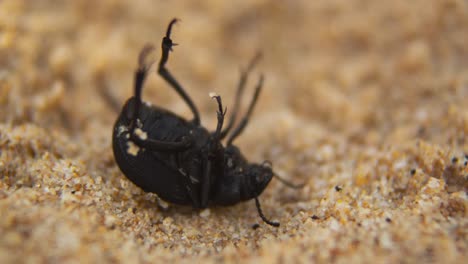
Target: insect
<point>179,160</point>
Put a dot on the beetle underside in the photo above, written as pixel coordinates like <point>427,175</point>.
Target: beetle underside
<point>163,153</point>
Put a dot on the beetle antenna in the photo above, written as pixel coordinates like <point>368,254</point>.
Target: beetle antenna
<point>288,183</point>
<point>259,209</point>
<point>268,164</point>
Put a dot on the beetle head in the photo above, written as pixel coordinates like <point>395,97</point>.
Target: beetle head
<point>252,177</point>
<point>257,177</point>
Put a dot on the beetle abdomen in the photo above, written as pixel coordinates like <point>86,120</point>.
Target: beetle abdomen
<point>147,171</point>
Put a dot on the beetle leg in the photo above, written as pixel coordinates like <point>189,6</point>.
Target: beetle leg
<point>220,114</point>
<point>240,90</point>
<point>193,191</point>
<point>238,130</point>
<point>140,77</point>
<point>166,46</point>
<point>212,149</point>
<point>152,144</point>
<point>206,183</point>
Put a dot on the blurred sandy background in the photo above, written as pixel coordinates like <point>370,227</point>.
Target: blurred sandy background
<point>366,101</point>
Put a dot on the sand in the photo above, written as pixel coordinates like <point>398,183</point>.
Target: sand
<point>364,101</point>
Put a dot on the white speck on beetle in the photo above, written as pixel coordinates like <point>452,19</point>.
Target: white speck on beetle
<point>121,130</point>
<point>138,123</point>
<point>182,172</point>
<point>141,134</point>
<point>193,179</point>
<point>229,163</point>
<point>132,149</point>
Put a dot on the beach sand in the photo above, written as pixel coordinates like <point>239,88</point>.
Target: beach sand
<point>365,101</point>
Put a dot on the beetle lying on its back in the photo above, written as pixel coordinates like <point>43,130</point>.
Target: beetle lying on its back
<point>179,160</point>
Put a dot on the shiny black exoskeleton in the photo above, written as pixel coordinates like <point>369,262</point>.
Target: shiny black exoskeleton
<point>179,160</point>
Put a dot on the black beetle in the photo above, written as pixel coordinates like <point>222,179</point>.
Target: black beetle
<point>179,160</point>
